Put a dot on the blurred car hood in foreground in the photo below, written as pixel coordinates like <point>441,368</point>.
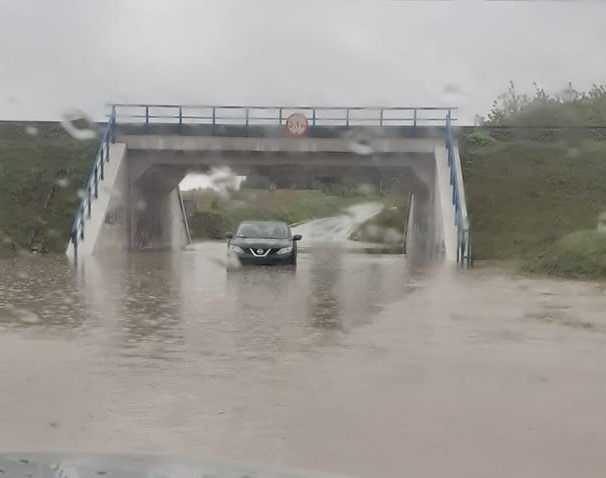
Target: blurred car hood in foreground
<point>47,465</point>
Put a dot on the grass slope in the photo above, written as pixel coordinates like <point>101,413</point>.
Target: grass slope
<point>523,197</point>
<point>387,227</point>
<point>30,165</point>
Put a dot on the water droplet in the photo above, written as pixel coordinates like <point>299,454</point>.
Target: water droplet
<point>31,130</point>
<point>140,205</point>
<point>22,275</point>
<point>7,240</point>
<point>81,193</point>
<point>26,316</point>
<point>572,153</point>
<point>361,147</point>
<point>365,189</point>
<point>78,125</point>
<point>62,182</point>
<point>451,88</point>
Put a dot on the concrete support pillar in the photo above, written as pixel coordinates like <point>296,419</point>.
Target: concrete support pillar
<point>158,220</point>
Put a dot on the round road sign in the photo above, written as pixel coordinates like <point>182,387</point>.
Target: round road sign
<point>296,124</point>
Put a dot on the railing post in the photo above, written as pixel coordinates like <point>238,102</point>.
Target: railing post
<point>96,180</point>
<point>89,200</point>
<point>347,118</point>
<point>280,116</point>
<point>247,120</point>
<point>81,217</point>
<point>112,126</point>
<point>74,238</point>
<point>180,120</point>
<point>146,119</point>
<point>381,117</point>
<point>214,119</point>
<point>102,159</point>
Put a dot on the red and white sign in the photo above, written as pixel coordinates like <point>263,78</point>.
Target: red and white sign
<point>296,125</point>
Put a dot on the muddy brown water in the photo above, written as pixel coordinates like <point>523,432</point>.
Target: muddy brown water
<point>357,364</point>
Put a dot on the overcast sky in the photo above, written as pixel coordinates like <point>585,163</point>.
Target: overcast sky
<point>64,54</point>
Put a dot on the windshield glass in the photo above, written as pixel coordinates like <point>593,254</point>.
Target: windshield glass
<point>263,230</point>
<point>361,237</point>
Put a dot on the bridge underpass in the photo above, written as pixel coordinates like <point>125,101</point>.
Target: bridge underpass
<point>137,202</point>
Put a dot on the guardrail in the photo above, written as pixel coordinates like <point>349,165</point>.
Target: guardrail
<point>464,246</point>
<point>91,189</point>
<point>267,116</point>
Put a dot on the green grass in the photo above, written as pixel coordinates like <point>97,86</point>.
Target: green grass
<point>219,216</point>
<point>387,227</point>
<point>525,196</point>
<point>29,167</point>
<point>580,255</point>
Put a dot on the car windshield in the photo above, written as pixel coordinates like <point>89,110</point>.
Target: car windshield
<point>263,230</point>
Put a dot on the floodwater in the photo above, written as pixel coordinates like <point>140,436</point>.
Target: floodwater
<point>357,364</point>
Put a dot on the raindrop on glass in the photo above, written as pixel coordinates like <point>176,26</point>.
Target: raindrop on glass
<point>81,193</point>
<point>78,125</point>
<point>62,182</point>
<point>361,147</point>
<point>26,316</point>
<point>31,130</point>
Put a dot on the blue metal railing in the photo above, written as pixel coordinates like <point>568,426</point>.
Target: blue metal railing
<point>247,117</point>
<point>91,189</point>
<point>267,116</point>
<point>464,251</point>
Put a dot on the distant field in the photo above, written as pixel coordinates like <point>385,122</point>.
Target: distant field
<point>216,215</point>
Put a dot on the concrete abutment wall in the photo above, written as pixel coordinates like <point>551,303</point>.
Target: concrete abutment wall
<point>141,207</point>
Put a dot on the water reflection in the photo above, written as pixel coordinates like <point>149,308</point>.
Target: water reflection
<point>163,305</point>
<point>324,305</point>
<point>40,293</point>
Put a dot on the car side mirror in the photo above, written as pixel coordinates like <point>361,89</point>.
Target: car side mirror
<point>297,237</point>
<point>229,235</point>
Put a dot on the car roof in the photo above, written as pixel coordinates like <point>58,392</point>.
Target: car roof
<point>280,223</point>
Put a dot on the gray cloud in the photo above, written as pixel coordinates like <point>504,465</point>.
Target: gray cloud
<point>67,54</point>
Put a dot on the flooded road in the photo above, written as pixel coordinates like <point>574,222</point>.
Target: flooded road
<point>357,364</point>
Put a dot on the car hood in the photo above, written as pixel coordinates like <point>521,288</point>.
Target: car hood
<point>261,243</point>
<point>43,465</point>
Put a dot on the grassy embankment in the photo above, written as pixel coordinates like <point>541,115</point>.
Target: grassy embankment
<point>388,226</point>
<point>218,215</point>
<point>31,166</point>
<point>537,203</point>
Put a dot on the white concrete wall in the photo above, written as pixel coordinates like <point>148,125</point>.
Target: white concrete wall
<point>114,172</point>
<point>410,228</point>
<point>115,230</point>
<point>159,220</point>
<point>443,207</point>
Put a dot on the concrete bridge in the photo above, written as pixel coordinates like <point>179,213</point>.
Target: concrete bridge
<point>132,197</point>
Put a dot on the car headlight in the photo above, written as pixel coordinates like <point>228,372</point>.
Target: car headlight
<point>236,249</point>
<point>284,250</point>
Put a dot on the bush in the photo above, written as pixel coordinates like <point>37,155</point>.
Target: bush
<point>479,137</point>
<point>581,254</point>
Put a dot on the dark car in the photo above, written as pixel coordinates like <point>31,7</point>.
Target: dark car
<point>263,243</point>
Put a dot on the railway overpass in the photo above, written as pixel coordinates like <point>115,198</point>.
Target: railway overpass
<point>132,197</point>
